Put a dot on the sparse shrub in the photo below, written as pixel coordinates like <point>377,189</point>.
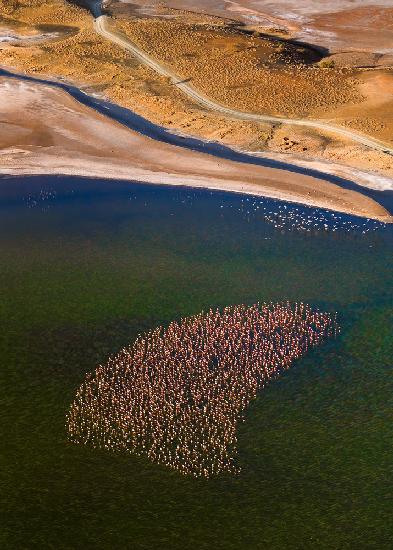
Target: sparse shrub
<point>327,64</point>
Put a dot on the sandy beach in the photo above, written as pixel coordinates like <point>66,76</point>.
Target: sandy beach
<point>57,135</point>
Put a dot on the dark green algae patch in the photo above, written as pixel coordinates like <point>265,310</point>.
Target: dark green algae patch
<point>88,265</point>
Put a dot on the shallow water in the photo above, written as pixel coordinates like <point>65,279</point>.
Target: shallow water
<point>88,264</point>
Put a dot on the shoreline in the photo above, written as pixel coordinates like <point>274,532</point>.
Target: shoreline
<point>112,173</point>
<point>95,140</point>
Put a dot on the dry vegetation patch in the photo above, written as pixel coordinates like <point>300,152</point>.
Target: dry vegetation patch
<point>243,71</point>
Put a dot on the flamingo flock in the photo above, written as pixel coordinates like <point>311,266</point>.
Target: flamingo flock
<point>178,393</point>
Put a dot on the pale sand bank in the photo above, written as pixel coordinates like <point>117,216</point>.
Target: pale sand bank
<point>45,131</point>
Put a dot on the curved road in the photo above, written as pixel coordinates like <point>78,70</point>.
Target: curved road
<point>102,27</point>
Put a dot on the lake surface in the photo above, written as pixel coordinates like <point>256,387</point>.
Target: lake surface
<point>86,265</point>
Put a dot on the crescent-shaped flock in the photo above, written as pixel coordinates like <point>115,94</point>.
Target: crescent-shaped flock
<point>178,393</point>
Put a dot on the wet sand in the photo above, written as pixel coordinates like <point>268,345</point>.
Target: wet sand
<point>57,135</point>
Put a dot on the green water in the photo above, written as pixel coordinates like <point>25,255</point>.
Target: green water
<point>86,266</point>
